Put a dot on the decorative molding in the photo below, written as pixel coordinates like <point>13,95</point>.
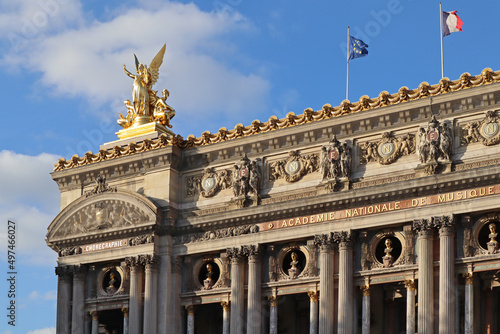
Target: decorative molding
<point>293,168</point>
<point>220,233</point>
<point>388,149</point>
<point>404,94</point>
<point>209,183</point>
<point>364,184</point>
<point>486,131</point>
<point>142,239</point>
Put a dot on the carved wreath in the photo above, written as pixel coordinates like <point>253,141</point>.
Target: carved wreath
<point>388,149</point>
<point>487,131</point>
<point>210,183</point>
<point>294,167</point>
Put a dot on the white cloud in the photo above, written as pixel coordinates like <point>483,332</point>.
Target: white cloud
<point>30,198</point>
<point>198,68</point>
<point>50,330</point>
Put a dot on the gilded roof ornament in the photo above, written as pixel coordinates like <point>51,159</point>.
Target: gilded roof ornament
<point>147,112</point>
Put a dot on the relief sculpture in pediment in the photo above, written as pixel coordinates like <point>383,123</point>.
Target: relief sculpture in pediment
<point>102,215</point>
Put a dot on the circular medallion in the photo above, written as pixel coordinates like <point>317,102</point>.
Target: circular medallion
<point>386,149</point>
<point>334,154</point>
<point>208,183</point>
<point>489,130</point>
<point>293,167</point>
<point>432,135</point>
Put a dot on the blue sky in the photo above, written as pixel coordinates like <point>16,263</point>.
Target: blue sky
<point>227,62</point>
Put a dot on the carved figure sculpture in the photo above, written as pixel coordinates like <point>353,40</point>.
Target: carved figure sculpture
<point>208,282</point>
<point>294,271</point>
<point>247,178</point>
<point>111,289</point>
<point>493,243</point>
<point>388,259</point>
<point>336,160</point>
<point>434,142</point>
<point>163,113</point>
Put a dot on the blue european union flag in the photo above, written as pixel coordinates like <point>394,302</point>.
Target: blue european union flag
<point>357,48</point>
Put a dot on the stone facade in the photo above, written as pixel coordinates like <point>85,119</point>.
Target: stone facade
<point>314,223</point>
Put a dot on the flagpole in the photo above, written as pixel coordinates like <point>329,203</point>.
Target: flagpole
<point>348,51</point>
<point>441,30</point>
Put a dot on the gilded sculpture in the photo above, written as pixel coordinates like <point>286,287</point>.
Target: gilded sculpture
<point>147,112</point>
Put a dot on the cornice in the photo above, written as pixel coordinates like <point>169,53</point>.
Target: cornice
<point>384,99</point>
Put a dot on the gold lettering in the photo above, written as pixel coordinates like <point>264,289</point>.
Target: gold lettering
<point>422,201</point>
<point>414,202</point>
<point>490,190</point>
<point>284,224</point>
<point>473,193</point>
<point>459,195</point>
<point>482,191</point>
<point>305,220</point>
<point>441,198</point>
<point>377,208</point>
<point>396,205</point>
<point>384,208</point>
<point>312,219</point>
<point>297,221</point>
<point>348,213</point>
<point>370,209</point>
<point>319,218</point>
<point>355,213</point>
<point>391,208</point>
<point>332,216</point>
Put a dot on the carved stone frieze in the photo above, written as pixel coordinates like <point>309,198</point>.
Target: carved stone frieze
<point>102,215</point>
<point>209,183</point>
<point>434,143</point>
<point>221,233</point>
<point>336,160</point>
<point>246,182</point>
<point>100,187</point>
<point>293,168</point>
<point>486,131</point>
<point>141,239</point>
<point>70,251</point>
<point>388,149</point>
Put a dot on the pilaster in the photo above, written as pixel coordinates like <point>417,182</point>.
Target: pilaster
<point>326,287</point>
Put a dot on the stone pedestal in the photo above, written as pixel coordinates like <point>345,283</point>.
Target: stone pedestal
<point>492,247</point>
<point>313,313</point>
<point>293,273</point>
<point>388,261</point>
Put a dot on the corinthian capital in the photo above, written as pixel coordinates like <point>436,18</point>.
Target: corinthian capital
<point>423,226</point>
<point>252,251</point>
<point>323,241</point>
<point>343,238</point>
<point>445,224</point>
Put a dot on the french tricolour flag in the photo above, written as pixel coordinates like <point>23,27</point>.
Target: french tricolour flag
<point>451,23</point>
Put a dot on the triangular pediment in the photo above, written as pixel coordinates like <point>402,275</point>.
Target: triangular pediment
<point>103,213</point>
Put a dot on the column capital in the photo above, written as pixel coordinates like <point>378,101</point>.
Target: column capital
<point>445,224</point>
<point>469,278</point>
<point>64,272</point>
<point>366,289</point>
<point>79,271</point>
<point>94,315</point>
<point>125,312</point>
<point>410,284</point>
<point>424,227</point>
<point>133,261</point>
<point>313,295</point>
<point>235,254</point>
<point>150,261</point>
<point>343,238</point>
<point>273,300</point>
<point>190,309</point>
<point>225,305</point>
<point>252,251</point>
<point>324,242</point>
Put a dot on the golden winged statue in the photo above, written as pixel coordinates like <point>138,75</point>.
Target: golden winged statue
<point>146,106</point>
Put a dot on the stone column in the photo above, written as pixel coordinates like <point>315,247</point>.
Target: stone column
<point>237,291</point>
<point>190,319</point>
<point>469,303</point>
<point>313,312</point>
<point>135,302</point>
<point>63,299</point>
<point>225,317</point>
<point>326,288</point>
<point>273,317</point>
<point>91,283</point>
<point>95,322</point>
<point>254,316</point>
<point>78,307</point>
<point>365,313</point>
<point>150,294</point>
<point>345,311</point>
<point>425,276</point>
<point>177,323</point>
<point>446,227</point>
<point>410,306</point>
<point>125,320</point>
